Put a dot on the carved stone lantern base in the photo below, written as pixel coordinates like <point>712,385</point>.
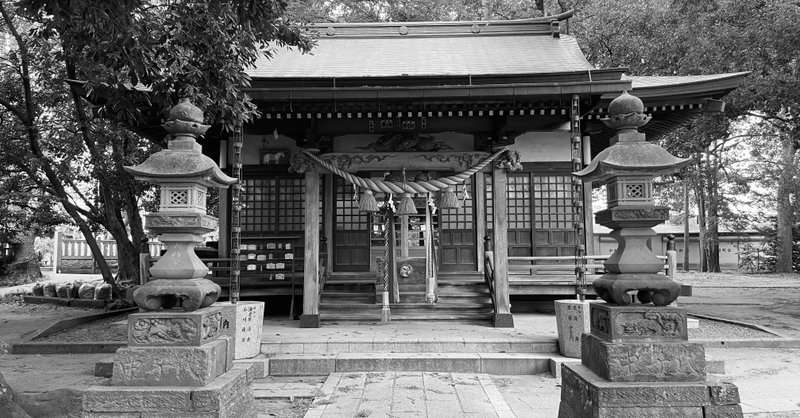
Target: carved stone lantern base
<point>637,361</point>
<point>176,364</point>
<point>166,293</point>
<point>650,287</point>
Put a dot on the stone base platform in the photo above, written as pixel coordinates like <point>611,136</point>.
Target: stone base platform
<point>229,395</point>
<point>584,394</point>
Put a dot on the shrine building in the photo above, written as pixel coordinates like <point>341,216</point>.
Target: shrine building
<point>484,121</point>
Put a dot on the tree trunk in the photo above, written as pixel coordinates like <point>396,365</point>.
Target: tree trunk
<point>785,218</point>
<point>686,225</point>
<point>701,220</point>
<point>8,403</point>
<point>714,198</point>
<point>25,267</point>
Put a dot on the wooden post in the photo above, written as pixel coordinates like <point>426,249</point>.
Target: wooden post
<point>57,251</point>
<point>502,317</point>
<point>328,206</point>
<point>310,316</point>
<point>431,284</point>
<point>672,257</point>
<point>224,243</point>
<point>480,215</point>
<point>404,236</point>
<point>391,263</point>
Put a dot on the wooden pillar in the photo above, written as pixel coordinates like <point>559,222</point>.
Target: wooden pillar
<point>224,243</point>
<point>327,219</point>
<point>57,251</point>
<point>588,209</point>
<point>502,317</point>
<point>310,316</point>
<point>404,236</point>
<point>480,215</point>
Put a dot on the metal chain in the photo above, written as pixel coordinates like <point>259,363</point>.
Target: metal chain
<point>236,209</point>
<point>577,197</point>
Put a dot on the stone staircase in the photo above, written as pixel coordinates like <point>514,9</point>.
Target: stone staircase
<point>352,297</point>
<point>462,297</point>
<point>349,297</point>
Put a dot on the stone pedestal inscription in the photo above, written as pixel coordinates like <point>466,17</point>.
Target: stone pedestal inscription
<point>572,320</point>
<point>243,322</point>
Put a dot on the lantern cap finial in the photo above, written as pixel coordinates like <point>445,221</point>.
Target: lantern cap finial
<point>183,160</point>
<point>626,113</point>
<point>185,121</point>
<point>186,111</point>
<point>625,104</point>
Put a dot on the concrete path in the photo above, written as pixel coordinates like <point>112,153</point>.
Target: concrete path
<point>409,394</point>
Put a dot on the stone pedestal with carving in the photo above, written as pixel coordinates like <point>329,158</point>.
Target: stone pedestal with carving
<point>637,362</point>
<point>176,363</point>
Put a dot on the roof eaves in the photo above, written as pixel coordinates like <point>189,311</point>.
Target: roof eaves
<point>692,86</point>
<point>510,91</point>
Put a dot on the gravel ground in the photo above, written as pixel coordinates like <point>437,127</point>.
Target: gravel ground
<point>112,329</point>
<point>718,330</point>
<point>107,329</point>
<point>738,279</point>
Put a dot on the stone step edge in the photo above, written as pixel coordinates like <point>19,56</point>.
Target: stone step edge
<point>544,346</point>
<point>490,363</point>
<point>258,366</point>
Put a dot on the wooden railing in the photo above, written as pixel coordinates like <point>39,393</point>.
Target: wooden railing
<point>217,267</point>
<point>74,255</point>
<point>550,267</point>
<point>323,274</point>
<point>488,276</point>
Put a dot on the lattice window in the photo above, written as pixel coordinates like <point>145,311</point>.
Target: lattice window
<point>552,202</point>
<point>635,191</point>
<point>273,205</point>
<point>348,217</point>
<point>461,218</point>
<point>178,198</point>
<point>519,201</point>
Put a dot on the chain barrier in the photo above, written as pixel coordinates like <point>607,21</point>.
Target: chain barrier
<point>577,198</point>
<point>236,209</point>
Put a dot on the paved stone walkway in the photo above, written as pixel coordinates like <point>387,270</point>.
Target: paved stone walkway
<point>409,394</point>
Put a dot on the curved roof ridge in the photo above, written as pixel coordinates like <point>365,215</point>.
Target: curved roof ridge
<point>650,81</point>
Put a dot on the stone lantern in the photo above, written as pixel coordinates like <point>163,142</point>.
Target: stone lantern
<point>178,362</point>
<point>184,174</point>
<point>627,168</point>
<point>636,359</point>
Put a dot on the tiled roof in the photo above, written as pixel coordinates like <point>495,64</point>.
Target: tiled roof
<point>429,49</point>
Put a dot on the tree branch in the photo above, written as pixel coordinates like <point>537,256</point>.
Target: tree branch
<point>24,63</point>
<point>11,108</point>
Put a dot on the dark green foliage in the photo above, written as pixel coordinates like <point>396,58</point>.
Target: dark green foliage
<point>133,59</point>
